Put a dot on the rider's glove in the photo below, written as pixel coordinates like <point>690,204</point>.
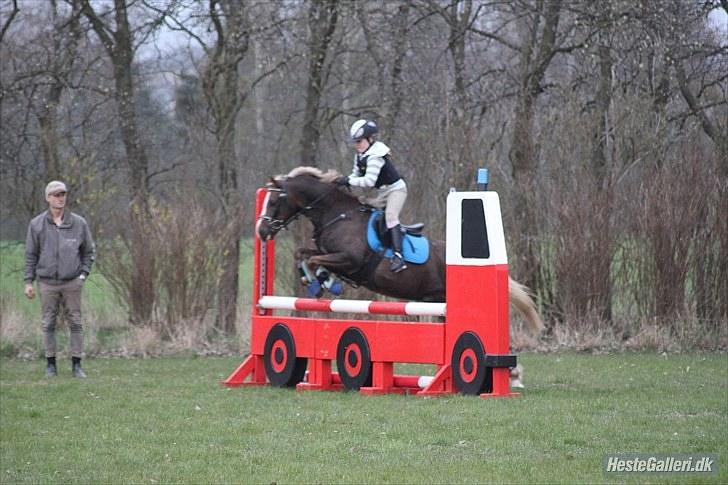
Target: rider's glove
<point>343,181</point>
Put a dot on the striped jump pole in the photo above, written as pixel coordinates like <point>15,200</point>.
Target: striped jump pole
<point>412,308</point>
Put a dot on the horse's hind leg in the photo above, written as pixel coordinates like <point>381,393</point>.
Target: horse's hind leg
<point>517,377</point>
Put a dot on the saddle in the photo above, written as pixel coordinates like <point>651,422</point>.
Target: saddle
<point>383,233</point>
<point>415,246</point>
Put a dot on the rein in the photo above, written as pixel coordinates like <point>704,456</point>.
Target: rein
<point>277,224</point>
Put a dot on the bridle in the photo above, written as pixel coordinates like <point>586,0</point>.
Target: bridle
<point>277,224</point>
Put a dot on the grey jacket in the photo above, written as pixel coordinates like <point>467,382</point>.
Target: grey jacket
<point>58,253</point>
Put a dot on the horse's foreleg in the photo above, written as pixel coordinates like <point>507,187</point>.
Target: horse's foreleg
<point>335,262</point>
<point>304,253</point>
<point>306,270</point>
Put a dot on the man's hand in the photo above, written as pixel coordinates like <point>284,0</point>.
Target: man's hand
<point>343,181</point>
<point>29,291</point>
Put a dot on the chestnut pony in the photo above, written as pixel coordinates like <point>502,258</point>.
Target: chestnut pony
<point>340,222</point>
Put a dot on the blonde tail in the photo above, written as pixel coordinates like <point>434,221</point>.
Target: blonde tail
<point>520,298</point>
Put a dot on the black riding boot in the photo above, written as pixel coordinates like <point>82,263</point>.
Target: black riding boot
<point>397,263</point>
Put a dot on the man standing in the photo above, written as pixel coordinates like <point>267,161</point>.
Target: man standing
<point>59,251</point>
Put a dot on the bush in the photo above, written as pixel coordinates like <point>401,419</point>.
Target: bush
<point>183,258</point>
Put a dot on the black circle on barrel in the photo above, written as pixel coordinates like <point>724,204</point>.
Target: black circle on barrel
<point>353,359</point>
<point>469,372</point>
<point>282,367</point>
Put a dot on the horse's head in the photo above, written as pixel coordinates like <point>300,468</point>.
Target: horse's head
<point>302,191</point>
<point>278,209</point>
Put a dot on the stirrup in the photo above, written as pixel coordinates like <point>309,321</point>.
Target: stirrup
<point>397,264</point>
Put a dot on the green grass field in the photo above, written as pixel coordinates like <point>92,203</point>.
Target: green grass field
<point>170,421</point>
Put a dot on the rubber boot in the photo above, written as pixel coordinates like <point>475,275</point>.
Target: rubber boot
<point>51,370</point>
<point>76,369</point>
<point>397,263</point>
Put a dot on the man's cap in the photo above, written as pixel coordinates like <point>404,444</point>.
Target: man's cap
<point>55,187</point>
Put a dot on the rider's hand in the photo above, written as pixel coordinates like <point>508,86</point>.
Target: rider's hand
<point>343,181</point>
<point>29,291</point>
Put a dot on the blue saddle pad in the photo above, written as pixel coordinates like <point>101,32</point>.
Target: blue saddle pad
<point>415,249</point>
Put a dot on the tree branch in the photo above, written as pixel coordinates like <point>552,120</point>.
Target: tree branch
<point>98,26</point>
<point>708,126</point>
<point>9,20</point>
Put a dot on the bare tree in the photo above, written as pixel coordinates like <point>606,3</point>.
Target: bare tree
<point>117,36</point>
<point>63,57</point>
<point>597,287</point>
<point>459,16</point>
<point>220,83</point>
<point>323,16</point>
<point>700,62</point>
<point>703,95</point>
<point>9,19</point>
<point>225,94</point>
<point>387,43</point>
<point>42,73</point>
<point>536,55</point>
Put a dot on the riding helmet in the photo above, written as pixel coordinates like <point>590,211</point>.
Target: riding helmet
<point>363,129</point>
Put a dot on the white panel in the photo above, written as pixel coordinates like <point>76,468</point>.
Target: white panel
<point>350,306</point>
<point>420,308</point>
<point>278,302</point>
<point>494,226</point>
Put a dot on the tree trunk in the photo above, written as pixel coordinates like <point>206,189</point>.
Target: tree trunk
<point>602,256</point>
<point>118,44</point>
<point>322,20</point>
<point>523,160</point>
<point>401,22</point>
<point>222,90</point>
<point>66,35</point>
<point>460,152</point>
<point>228,283</point>
<point>524,172</point>
<point>49,132</point>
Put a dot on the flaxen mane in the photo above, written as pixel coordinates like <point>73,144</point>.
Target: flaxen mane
<point>328,176</point>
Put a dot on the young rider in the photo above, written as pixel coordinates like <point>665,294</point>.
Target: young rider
<point>373,167</point>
